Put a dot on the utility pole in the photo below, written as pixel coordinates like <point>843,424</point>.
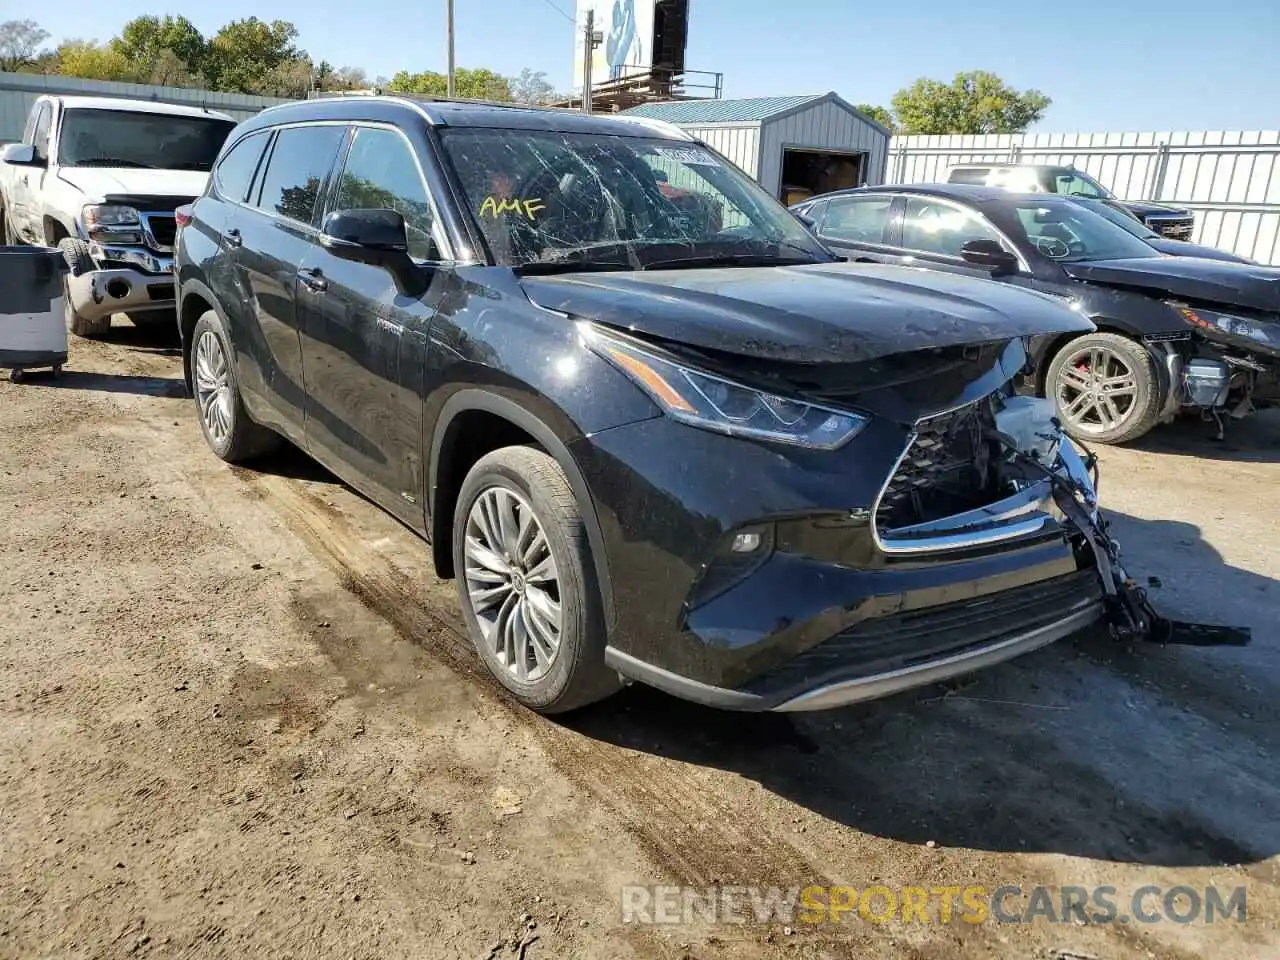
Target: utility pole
<point>591,39</point>
<point>452,85</point>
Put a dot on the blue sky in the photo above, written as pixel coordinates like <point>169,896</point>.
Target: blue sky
<point>1118,65</point>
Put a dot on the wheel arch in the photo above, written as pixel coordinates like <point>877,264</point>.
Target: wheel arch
<point>195,299</point>
<point>444,478</point>
<point>1104,325</point>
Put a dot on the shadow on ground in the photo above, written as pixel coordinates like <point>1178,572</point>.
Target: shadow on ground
<point>160,338</point>
<point>106,383</point>
<point>1255,439</point>
<point>1081,749</point>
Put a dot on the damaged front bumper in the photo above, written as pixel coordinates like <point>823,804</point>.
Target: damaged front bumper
<point>148,286</point>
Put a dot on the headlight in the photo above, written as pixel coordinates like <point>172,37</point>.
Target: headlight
<point>713,403</point>
<point>98,215</point>
<point>1258,331</point>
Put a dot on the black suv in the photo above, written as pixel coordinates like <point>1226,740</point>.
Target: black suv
<point>655,430</point>
<point>1175,223</point>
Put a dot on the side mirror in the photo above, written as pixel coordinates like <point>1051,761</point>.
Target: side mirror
<point>807,220</point>
<point>376,237</point>
<point>988,253</point>
<point>21,155</point>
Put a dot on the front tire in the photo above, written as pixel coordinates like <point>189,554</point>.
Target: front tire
<point>527,584</point>
<point>76,253</point>
<point>1105,388</point>
<point>225,423</point>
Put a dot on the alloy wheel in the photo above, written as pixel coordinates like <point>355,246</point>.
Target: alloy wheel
<point>213,387</point>
<point>1096,390</point>
<point>513,584</point>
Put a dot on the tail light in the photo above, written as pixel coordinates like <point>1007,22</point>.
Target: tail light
<point>183,215</point>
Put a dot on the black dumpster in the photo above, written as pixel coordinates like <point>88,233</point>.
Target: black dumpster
<point>33,326</point>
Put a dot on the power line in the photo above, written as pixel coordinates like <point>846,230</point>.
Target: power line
<point>560,10</point>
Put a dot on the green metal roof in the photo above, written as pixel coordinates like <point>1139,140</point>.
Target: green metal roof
<point>750,110</point>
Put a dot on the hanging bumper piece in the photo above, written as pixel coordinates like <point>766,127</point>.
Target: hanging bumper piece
<point>1130,615</point>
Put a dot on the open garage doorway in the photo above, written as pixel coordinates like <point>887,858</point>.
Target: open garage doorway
<point>806,173</point>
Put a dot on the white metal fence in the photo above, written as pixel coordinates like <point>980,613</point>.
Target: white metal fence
<point>1230,179</point>
<point>18,91</point>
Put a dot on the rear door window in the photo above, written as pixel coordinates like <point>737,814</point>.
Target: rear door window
<point>858,219</point>
<point>298,170</point>
<point>235,172</point>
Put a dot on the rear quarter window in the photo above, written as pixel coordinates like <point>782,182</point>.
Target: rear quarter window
<point>978,177</point>
<point>235,173</point>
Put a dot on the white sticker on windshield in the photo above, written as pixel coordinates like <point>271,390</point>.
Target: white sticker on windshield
<point>687,155</point>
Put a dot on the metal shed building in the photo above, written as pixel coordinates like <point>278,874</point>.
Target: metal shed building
<point>794,146</point>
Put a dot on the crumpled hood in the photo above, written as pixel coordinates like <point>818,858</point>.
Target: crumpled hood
<point>98,183</point>
<point>1192,278</point>
<point>820,313</point>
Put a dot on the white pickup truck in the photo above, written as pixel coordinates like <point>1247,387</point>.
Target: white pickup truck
<point>100,179</point>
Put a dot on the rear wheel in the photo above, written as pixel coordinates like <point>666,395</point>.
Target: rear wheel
<point>527,583</point>
<point>1105,388</point>
<point>225,423</point>
<point>76,253</point>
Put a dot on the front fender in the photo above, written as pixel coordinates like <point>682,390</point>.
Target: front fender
<point>474,399</point>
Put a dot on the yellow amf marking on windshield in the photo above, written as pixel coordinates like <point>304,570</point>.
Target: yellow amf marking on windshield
<point>497,206</point>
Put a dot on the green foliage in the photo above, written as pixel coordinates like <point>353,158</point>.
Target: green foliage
<point>19,44</point>
<point>533,88</point>
<point>974,102</point>
<point>95,61</point>
<point>881,115</point>
<point>146,39</point>
<point>478,84</point>
<point>244,54</point>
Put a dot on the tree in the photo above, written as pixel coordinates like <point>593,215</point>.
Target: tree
<point>881,115</point>
<point>478,84</point>
<point>95,61</point>
<point>19,41</point>
<point>243,54</point>
<point>533,88</point>
<point>974,102</point>
<point>159,46</point>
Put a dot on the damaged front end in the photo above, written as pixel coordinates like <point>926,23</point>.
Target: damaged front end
<point>1018,448</point>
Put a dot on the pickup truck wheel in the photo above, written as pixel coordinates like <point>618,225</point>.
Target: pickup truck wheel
<point>1105,388</point>
<point>225,423</point>
<point>527,584</point>
<point>76,253</point>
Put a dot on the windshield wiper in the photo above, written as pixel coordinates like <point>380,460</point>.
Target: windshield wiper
<point>536,268</point>
<point>729,260</point>
<point>111,162</point>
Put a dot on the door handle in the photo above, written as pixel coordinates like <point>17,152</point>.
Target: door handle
<point>866,260</point>
<point>233,238</point>
<point>313,280</point>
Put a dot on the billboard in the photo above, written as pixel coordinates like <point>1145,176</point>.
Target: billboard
<point>628,40</point>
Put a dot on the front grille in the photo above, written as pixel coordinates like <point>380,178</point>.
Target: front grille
<point>919,636</point>
<point>1175,228</point>
<point>163,228</point>
<point>946,469</point>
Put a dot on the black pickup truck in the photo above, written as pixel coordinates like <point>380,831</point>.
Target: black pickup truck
<point>1172,222</point>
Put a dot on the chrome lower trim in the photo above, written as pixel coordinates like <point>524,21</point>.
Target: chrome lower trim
<point>1018,515</point>
<point>884,684</point>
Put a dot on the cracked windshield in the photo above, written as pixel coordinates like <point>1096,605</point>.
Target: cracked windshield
<point>618,202</point>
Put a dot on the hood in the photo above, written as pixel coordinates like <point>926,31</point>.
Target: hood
<point>1191,278</point>
<point>1184,248</point>
<point>98,183</point>
<point>1145,209</point>
<point>814,314</point>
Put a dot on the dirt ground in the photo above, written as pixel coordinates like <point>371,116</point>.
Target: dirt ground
<point>238,717</point>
